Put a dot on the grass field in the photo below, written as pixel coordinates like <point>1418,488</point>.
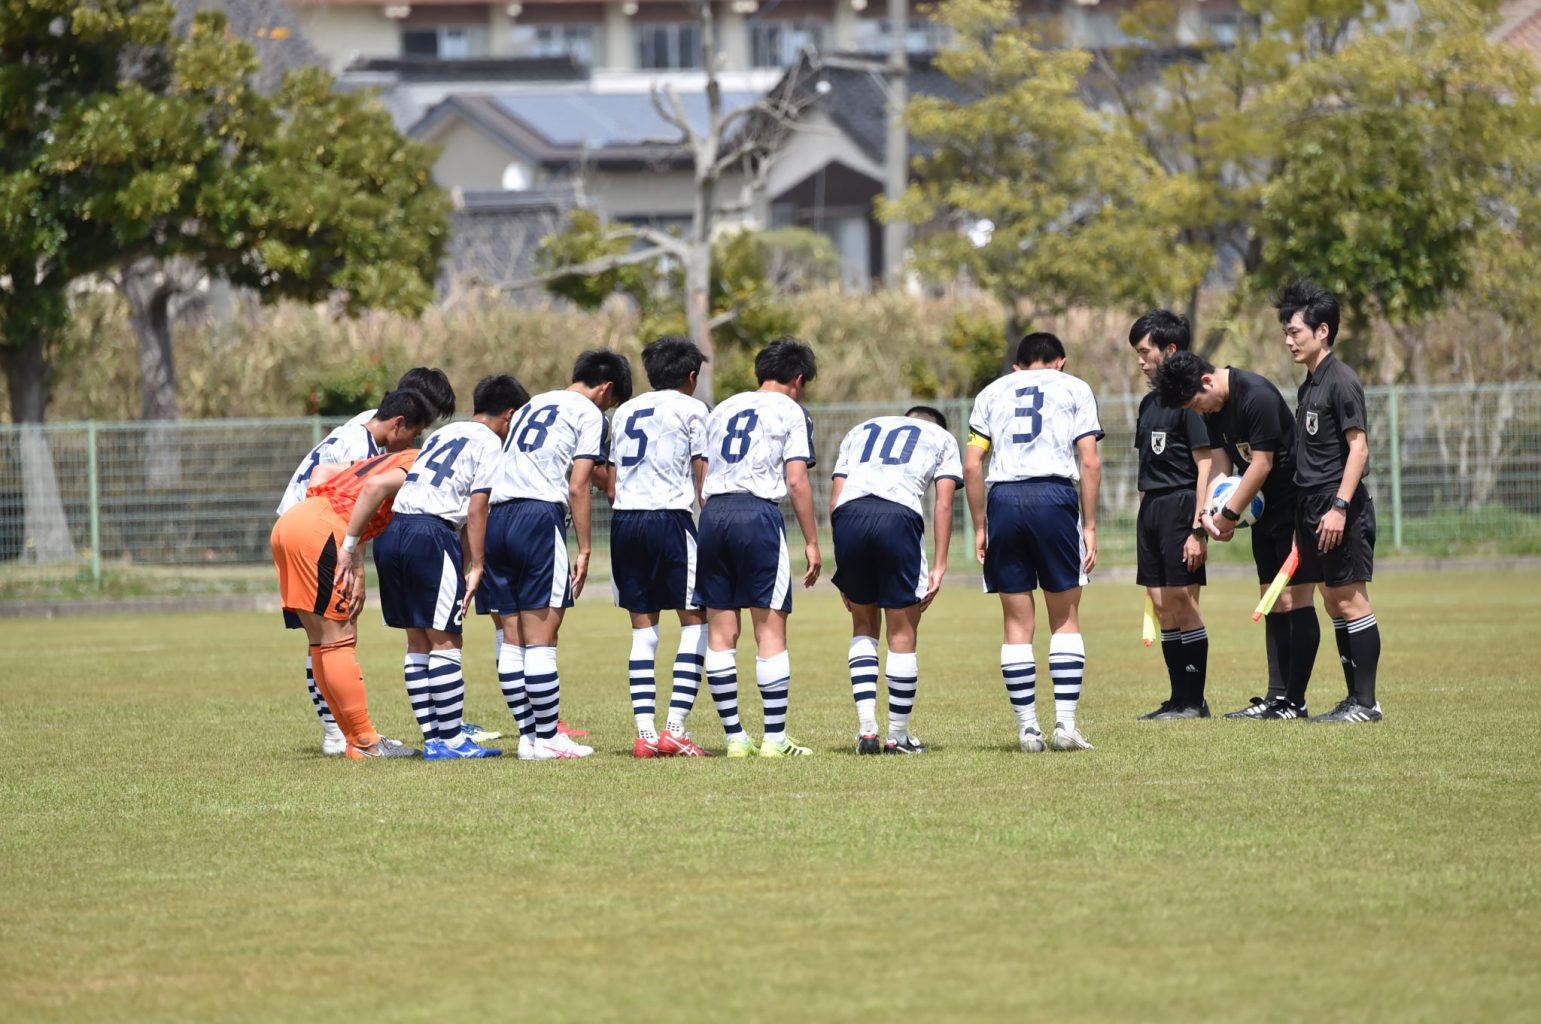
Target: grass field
<point>175,847</point>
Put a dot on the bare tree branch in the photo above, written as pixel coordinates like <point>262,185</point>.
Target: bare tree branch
<point>722,319</point>
<point>590,267</point>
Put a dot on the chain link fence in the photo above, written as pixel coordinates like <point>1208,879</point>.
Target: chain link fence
<point>88,509</point>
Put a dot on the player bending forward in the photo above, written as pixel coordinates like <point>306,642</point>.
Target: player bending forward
<point>880,480</point>
<point>545,472</point>
<point>660,461</point>
<point>1039,427</point>
<point>759,448</point>
<point>420,558</point>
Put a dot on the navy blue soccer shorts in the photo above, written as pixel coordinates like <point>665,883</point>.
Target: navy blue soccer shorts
<point>1033,537</point>
<point>526,565</point>
<point>741,557</point>
<point>880,555</point>
<point>653,560</point>
<point>419,561</point>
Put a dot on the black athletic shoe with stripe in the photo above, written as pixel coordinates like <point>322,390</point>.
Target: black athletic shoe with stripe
<point>1170,711</point>
<point>869,744</point>
<point>1350,710</point>
<point>910,745</point>
<point>1252,710</point>
<point>1278,709</point>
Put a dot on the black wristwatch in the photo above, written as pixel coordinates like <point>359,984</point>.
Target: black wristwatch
<point>1229,513</point>
<point>1339,504</point>
<point>1198,531</point>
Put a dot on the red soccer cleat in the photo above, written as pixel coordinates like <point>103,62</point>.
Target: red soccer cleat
<point>563,728</point>
<point>670,745</point>
<point>644,748</point>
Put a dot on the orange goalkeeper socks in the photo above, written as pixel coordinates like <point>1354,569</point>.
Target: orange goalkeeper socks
<point>342,684</point>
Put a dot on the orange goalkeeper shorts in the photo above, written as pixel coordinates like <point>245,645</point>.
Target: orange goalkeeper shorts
<point>306,541</point>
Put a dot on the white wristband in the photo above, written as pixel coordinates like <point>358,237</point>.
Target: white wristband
<point>349,543</point>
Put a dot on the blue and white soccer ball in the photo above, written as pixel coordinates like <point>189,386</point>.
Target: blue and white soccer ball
<point>1220,493</point>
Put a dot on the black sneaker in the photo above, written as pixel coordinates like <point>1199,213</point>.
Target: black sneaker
<point>910,745</point>
<point>1350,710</point>
<point>1170,711</point>
<point>1252,710</point>
<point>1279,708</point>
<point>869,744</point>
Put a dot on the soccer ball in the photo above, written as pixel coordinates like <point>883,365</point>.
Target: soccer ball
<point>1220,493</point>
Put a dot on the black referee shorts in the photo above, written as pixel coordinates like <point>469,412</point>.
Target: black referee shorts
<point>1272,536</point>
<point>1353,560</point>
<point>1160,531</point>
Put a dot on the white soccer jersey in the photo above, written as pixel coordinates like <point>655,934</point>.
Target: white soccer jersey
<point>896,457</point>
<point>362,418</point>
<point>1033,418</point>
<point>547,436</point>
<point>457,461</point>
<point>348,443</point>
<point>658,437</point>
<point>749,440</point>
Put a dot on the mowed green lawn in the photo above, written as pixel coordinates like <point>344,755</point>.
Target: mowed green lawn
<point>175,847</point>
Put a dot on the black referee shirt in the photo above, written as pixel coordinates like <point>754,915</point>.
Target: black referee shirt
<point>1255,419</point>
<point>1165,439</point>
<point>1330,403</point>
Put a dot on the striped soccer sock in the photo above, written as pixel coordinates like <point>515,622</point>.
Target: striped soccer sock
<point>774,676</point>
<point>1067,667</point>
<point>316,700</point>
<point>1172,654</point>
<point>688,664</point>
<point>511,682</point>
<point>1021,676</point>
<point>544,686</point>
<point>1364,657</point>
<point>644,682</point>
<point>862,661</point>
<point>722,680</point>
<point>414,669</point>
<point>1195,666</point>
<point>1345,657</point>
<point>903,671</point>
<point>449,692</point>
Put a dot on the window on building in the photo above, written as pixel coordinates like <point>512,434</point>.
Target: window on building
<point>445,42</point>
<point>580,42</point>
<point>922,36</point>
<point>668,46</point>
<point>777,44</point>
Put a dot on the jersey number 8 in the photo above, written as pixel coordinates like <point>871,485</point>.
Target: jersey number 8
<point>736,444</point>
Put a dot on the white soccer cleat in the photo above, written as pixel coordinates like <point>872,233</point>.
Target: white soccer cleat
<point>333,742</point>
<point>1068,739</point>
<point>526,748</point>
<point>1031,740</point>
<point>559,747</point>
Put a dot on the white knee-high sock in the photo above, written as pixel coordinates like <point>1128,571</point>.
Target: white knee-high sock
<point>903,671</point>
<point>642,670</point>
<point>774,676</point>
<point>1021,676</point>
<point>862,661</point>
<point>688,666</point>
<point>1067,667</point>
<point>722,679</point>
<point>414,669</point>
<point>511,682</point>
<point>449,692</point>
<point>544,686</point>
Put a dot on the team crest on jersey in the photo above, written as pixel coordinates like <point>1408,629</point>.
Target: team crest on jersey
<point>1157,441</point>
<point>1244,450</point>
<point>1311,422</point>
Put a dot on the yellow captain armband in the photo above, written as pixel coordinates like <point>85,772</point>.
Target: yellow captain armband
<point>979,441</point>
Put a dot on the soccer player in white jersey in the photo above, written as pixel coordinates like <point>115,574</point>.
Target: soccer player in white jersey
<point>759,448</point>
<point>658,465</point>
<point>388,428</point>
<point>880,480</point>
<point>419,559</point>
<point>547,467</point>
<point>1039,427</point>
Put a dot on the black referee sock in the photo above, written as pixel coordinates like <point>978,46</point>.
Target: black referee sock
<point>1364,657</point>
<point>1305,638</point>
<point>1276,637</point>
<point>1172,653</point>
<point>1195,666</point>
<point>1340,634</point>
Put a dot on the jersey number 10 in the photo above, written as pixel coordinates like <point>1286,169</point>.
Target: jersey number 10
<point>902,438</point>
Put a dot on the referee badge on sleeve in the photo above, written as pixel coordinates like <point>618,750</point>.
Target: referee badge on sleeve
<point>1157,441</point>
<point>1311,422</point>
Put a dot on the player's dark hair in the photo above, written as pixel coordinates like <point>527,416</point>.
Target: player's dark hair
<point>601,366</point>
<point>1165,328</point>
<point>1315,304</point>
<point>499,393</point>
<point>784,360</point>
<point>1179,377</point>
<point>433,384</point>
<point>670,360</point>
<point>928,413</point>
<point>1039,347</point>
<point>408,403</point>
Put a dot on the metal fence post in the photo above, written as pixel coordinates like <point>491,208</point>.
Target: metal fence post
<point>315,431</point>
<point>1394,412</point>
<point>94,486</point>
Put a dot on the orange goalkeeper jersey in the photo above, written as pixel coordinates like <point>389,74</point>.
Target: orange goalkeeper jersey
<point>342,490</point>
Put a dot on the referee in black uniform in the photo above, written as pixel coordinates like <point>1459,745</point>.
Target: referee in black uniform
<point>1171,544</point>
<point>1334,518</point>
<point>1251,429</point>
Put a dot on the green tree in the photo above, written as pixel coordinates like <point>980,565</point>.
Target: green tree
<point>1026,190</point>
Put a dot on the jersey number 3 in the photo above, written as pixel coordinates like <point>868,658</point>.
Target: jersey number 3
<point>1032,412</point>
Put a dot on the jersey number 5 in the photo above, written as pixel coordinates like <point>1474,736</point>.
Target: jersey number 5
<point>631,431</point>
<point>1032,412</point>
<point>736,444</point>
